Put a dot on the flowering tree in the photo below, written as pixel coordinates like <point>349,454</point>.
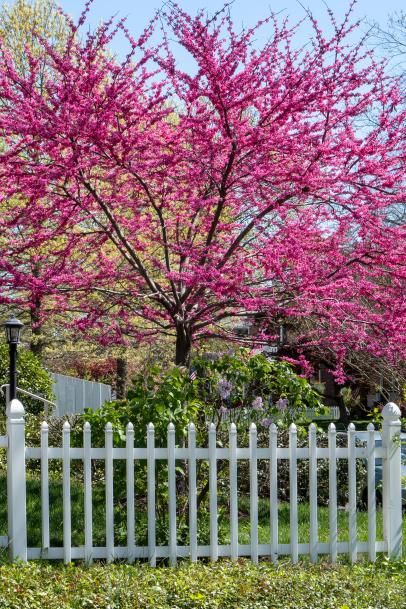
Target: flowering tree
<point>38,265</point>
<point>256,186</point>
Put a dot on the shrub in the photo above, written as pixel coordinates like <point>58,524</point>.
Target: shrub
<point>31,377</point>
<point>243,388</point>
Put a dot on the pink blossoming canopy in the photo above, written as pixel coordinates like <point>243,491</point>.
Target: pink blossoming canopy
<point>147,200</point>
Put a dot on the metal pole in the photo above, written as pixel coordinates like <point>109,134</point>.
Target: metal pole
<point>13,371</point>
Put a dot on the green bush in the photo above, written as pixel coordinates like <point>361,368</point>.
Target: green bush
<point>252,386</point>
<point>243,387</point>
<point>240,386</point>
<point>31,377</point>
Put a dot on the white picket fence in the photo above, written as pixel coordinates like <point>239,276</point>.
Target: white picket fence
<point>390,452</point>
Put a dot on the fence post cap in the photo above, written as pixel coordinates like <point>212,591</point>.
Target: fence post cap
<point>391,411</point>
<point>15,410</point>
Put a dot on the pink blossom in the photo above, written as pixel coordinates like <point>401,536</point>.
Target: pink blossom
<point>148,200</point>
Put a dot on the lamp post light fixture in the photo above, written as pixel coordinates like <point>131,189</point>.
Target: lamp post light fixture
<point>13,328</point>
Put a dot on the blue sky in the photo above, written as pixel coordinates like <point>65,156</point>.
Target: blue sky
<point>245,12</point>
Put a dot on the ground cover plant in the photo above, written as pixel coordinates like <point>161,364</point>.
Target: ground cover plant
<point>223,585</point>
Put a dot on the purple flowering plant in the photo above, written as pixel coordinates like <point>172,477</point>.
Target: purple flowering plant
<point>247,388</point>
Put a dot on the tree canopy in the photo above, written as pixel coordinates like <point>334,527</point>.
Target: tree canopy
<point>256,186</point>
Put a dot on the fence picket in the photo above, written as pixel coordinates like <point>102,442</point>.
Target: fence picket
<point>172,494</point>
<point>371,493</point>
<point>213,493</point>
<point>332,503</point>
<point>66,498</point>
<point>253,493</point>
<point>109,493</point>
<point>130,492</point>
<point>294,549</point>
<point>233,492</point>
<point>313,493</point>
<point>352,494</point>
<point>192,493</point>
<point>44,488</point>
<point>273,445</point>
<point>87,474</point>
<point>151,494</point>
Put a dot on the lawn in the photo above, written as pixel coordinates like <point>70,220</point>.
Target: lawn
<point>34,520</point>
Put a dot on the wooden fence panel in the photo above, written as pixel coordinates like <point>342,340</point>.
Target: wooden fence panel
<point>191,455</point>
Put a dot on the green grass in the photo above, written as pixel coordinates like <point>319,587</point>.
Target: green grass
<point>223,585</point>
<point>56,518</point>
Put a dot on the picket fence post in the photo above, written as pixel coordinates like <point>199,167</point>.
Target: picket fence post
<point>16,491</point>
<point>392,490</point>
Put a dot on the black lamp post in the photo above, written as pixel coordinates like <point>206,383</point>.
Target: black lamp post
<point>13,329</point>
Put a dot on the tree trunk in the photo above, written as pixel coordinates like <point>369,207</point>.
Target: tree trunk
<point>121,378</point>
<point>183,346</point>
<point>37,342</point>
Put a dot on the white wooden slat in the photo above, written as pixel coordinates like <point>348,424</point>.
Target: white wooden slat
<point>201,453</point>
<point>213,492</point>
<point>233,492</point>
<point>333,524</point>
<point>109,492</point>
<point>44,487</point>
<point>352,494</point>
<point>273,444</point>
<point>294,551</point>
<point>87,475</point>
<point>371,493</point>
<point>66,495</point>
<point>151,494</point>
<point>253,493</point>
<point>192,492</point>
<point>314,535</point>
<point>130,492</point>
<point>202,551</point>
<point>172,494</point>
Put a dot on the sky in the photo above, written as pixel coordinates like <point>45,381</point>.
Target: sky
<point>245,12</point>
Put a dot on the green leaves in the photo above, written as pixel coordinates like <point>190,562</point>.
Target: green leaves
<point>254,378</point>
<point>31,377</point>
<point>223,585</point>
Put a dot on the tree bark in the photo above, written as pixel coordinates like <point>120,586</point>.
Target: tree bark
<point>183,345</point>
<point>37,342</point>
<point>121,378</point>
